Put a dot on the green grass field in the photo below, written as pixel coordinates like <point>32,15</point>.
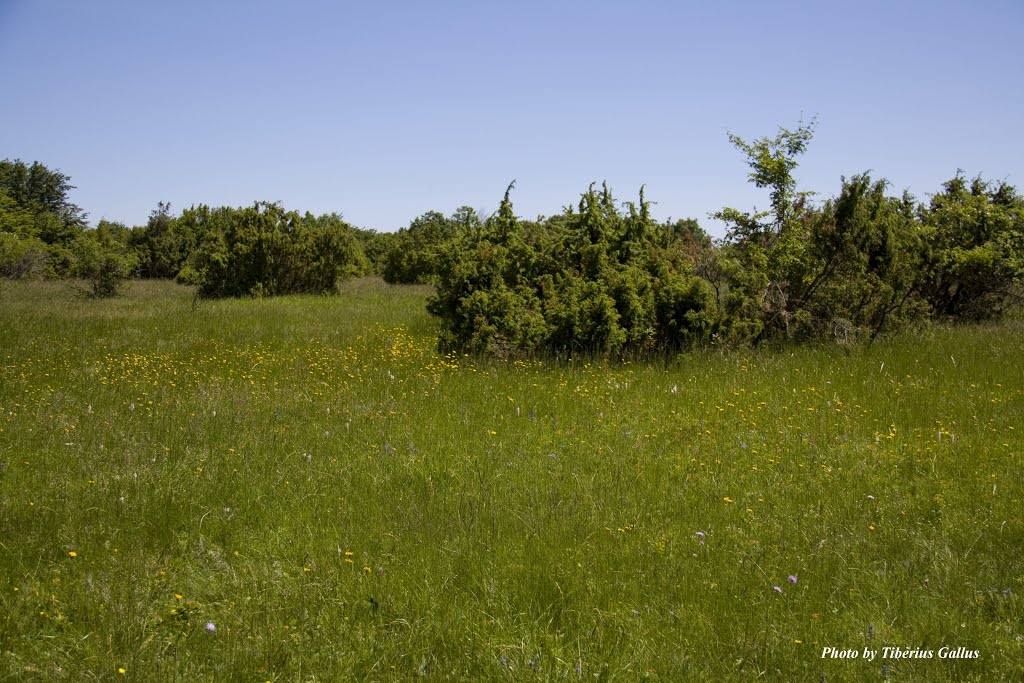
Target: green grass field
<point>304,489</point>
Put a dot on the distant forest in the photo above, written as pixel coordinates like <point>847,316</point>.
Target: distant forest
<point>600,277</point>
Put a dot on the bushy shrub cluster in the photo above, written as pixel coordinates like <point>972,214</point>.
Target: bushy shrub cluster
<point>594,279</point>
<point>42,234</point>
<point>23,257</point>
<point>257,250</point>
<point>104,260</point>
<point>973,261</point>
<point>864,262</point>
<point>264,250</point>
<point>597,279</point>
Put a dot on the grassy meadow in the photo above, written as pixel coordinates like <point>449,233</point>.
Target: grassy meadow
<point>304,489</point>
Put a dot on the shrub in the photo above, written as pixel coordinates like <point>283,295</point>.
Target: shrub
<point>264,250</point>
<point>594,280</point>
<point>974,249</point>
<point>104,265</point>
<point>22,257</point>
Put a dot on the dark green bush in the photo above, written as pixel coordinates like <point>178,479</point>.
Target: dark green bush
<point>598,279</point>
<point>592,280</point>
<point>264,250</point>
<point>974,249</point>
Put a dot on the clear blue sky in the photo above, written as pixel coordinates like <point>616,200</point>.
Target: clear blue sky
<point>384,110</point>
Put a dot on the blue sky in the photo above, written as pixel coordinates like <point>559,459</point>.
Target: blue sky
<point>384,110</point>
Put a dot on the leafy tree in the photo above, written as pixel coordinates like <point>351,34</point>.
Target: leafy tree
<point>766,251</point>
<point>16,219</point>
<point>163,244</point>
<point>34,202</point>
<point>772,162</point>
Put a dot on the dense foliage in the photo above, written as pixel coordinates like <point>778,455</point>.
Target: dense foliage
<point>974,257</point>
<point>598,279</point>
<point>43,234</point>
<point>601,277</point>
<point>261,250</point>
<point>593,279</point>
<point>844,270</point>
<point>265,250</point>
<point>866,262</point>
<point>38,223</point>
<point>257,250</point>
<point>413,254</point>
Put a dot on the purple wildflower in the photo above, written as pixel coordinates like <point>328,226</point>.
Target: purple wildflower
<point>211,627</point>
<point>777,589</point>
<point>792,578</point>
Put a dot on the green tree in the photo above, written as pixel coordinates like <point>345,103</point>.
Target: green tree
<point>34,202</point>
<point>772,162</point>
<point>767,250</point>
<point>163,244</point>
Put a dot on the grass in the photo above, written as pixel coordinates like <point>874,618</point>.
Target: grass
<point>304,489</point>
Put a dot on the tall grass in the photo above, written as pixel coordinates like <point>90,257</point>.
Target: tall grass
<point>304,489</point>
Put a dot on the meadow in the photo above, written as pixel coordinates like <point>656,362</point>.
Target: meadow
<point>303,488</point>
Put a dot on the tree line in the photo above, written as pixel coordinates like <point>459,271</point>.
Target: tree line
<point>600,277</point>
<point>258,250</point>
